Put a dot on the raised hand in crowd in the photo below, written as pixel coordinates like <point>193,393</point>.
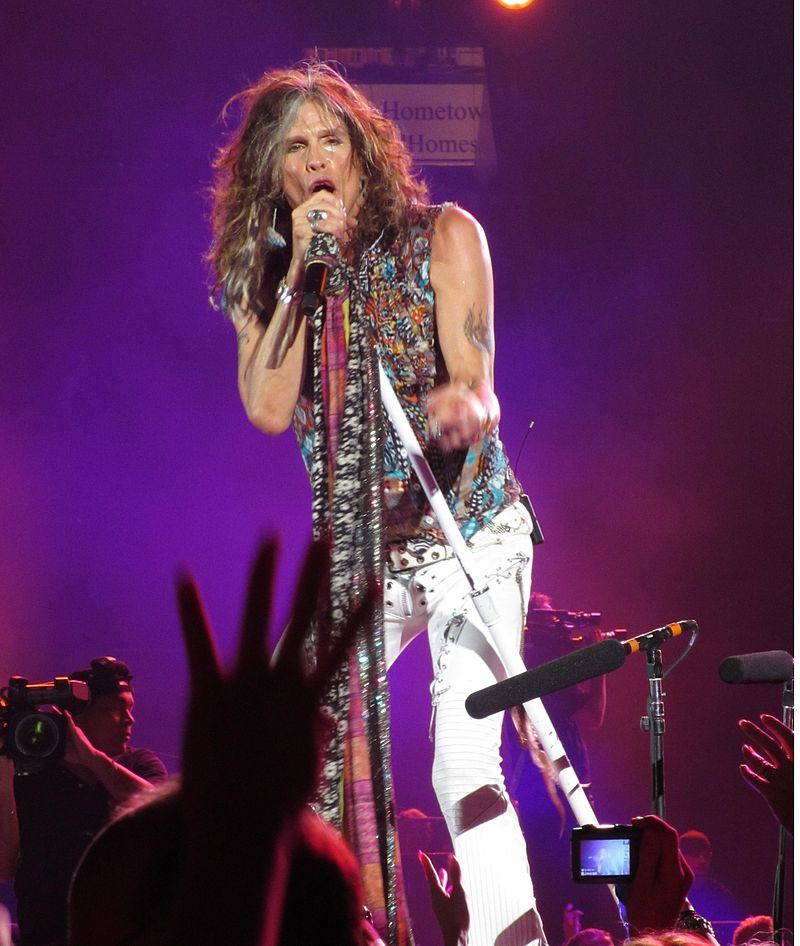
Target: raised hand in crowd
<point>251,747</point>
<point>571,920</point>
<point>656,896</point>
<point>448,899</point>
<point>768,752</point>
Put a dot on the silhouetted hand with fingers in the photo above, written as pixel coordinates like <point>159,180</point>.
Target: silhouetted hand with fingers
<point>769,765</point>
<point>251,748</point>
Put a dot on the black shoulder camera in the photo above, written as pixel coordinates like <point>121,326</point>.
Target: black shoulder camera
<point>31,734</point>
<point>605,854</point>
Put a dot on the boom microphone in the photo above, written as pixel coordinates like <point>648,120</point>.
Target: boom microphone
<point>658,636</point>
<point>766,666</point>
<point>583,664</point>
<point>563,672</point>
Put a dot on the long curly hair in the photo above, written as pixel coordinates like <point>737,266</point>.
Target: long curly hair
<point>248,205</point>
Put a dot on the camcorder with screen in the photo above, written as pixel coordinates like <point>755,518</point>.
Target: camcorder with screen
<point>605,854</point>
<point>32,731</point>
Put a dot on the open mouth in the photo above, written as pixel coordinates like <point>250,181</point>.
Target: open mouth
<point>323,185</point>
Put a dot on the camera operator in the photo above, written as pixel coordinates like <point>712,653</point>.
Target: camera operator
<point>52,813</point>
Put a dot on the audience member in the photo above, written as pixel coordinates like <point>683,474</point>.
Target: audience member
<point>51,814</point>
<point>126,888</point>
<point>668,938</point>
<point>166,872</point>
<point>708,893</point>
<point>590,937</point>
<point>654,902</point>
<point>753,929</point>
<point>769,765</point>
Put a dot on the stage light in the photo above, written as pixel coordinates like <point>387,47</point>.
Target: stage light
<point>515,4</point>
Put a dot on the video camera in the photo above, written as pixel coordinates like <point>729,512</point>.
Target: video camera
<point>29,733</point>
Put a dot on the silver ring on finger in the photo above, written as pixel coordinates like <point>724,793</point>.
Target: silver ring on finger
<point>314,217</point>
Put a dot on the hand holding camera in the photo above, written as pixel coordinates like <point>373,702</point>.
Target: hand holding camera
<point>657,892</point>
<point>644,860</point>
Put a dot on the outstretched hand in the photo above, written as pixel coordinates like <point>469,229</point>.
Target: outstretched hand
<point>656,895</point>
<point>448,899</point>
<point>769,765</point>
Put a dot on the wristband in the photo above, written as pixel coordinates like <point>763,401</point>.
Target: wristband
<point>691,922</point>
<point>286,295</point>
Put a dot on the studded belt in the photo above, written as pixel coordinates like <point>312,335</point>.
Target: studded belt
<point>414,553</point>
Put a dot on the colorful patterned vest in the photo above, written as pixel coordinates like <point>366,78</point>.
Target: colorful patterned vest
<point>477,482</point>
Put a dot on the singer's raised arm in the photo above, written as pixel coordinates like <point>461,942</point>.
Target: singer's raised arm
<point>315,183</point>
<point>271,358</point>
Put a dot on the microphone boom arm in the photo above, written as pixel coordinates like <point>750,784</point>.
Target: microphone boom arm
<point>484,605</point>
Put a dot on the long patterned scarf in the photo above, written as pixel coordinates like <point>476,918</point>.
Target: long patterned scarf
<point>347,482</point>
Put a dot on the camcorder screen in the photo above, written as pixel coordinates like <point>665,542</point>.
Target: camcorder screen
<point>605,854</point>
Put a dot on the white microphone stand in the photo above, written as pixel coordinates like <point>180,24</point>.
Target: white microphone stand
<point>481,595</point>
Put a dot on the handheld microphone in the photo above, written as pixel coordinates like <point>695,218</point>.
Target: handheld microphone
<point>316,275</point>
<point>658,636</point>
<point>766,666</point>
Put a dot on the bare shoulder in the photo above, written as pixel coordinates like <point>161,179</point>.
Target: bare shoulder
<point>458,235</point>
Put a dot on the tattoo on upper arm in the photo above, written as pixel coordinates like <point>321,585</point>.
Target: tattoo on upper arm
<point>476,328</point>
<point>242,337</point>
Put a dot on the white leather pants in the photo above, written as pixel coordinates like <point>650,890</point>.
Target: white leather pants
<point>467,776</point>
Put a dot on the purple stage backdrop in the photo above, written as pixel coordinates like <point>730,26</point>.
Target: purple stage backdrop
<point>640,223</point>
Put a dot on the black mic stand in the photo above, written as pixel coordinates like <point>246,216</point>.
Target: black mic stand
<point>654,724</point>
<point>780,869</point>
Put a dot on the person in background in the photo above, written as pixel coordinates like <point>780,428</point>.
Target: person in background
<point>753,929</point>
<point>709,895</point>
<point>52,814</point>
<point>590,937</point>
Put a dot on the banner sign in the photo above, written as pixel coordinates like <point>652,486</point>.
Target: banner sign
<point>440,124</point>
<point>438,97</point>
